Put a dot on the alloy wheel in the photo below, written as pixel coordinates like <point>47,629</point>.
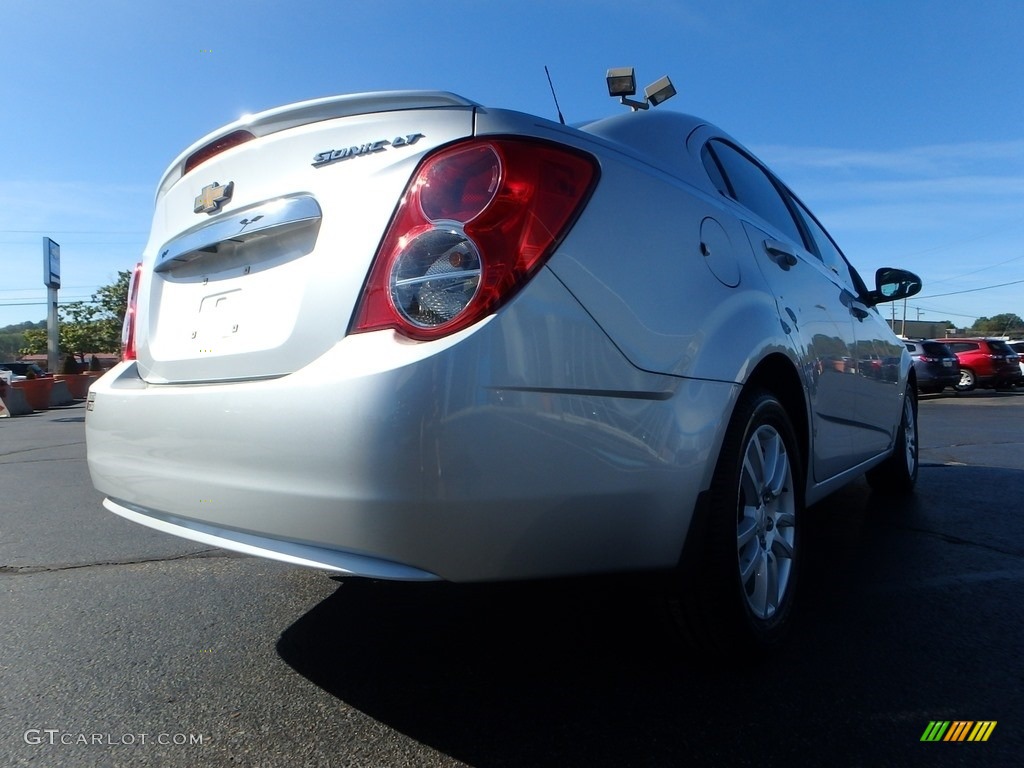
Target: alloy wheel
<point>766,533</point>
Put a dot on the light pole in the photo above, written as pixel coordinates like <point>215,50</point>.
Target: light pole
<point>51,279</point>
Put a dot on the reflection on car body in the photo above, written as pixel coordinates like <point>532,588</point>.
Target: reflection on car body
<point>515,349</point>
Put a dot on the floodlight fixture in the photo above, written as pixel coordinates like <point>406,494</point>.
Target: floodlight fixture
<point>621,81</point>
<point>659,91</point>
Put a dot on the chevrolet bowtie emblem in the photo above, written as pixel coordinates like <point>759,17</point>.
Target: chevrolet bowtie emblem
<point>212,196</point>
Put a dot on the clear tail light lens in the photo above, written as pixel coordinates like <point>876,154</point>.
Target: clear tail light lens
<point>477,220</point>
<point>128,326</point>
<point>435,277</point>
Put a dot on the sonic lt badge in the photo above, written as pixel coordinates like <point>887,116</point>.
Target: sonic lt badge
<point>347,153</point>
<point>210,199</point>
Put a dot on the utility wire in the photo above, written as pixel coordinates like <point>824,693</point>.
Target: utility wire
<point>73,232</point>
<point>939,311</point>
<point>43,303</point>
<point>972,290</point>
<point>976,271</point>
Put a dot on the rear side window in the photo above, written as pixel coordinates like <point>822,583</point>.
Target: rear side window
<point>963,346</point>
<point>715,173</point>
<point>745,182</point>
<point>827,250</point>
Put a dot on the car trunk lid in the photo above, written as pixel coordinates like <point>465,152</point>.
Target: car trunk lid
<point>258,254</point>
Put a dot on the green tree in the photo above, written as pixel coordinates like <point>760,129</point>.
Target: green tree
<point>997,325</point>
<point>12,338</point>
<point>113,300</point>
<point>87,326</point>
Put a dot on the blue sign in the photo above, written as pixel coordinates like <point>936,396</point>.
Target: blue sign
<point>51,263</point>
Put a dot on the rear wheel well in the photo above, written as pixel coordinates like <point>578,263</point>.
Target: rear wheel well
<point>777,375</point>
<point>725,572</point>
<point>912,379</point>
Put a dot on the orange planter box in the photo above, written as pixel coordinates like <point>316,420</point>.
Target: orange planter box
<point>37,392</point>
<point>78,383</point>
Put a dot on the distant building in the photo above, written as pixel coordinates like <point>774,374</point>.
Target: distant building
<point>921,329</point>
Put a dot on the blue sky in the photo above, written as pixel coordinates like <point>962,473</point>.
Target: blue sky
<point>901,124</point>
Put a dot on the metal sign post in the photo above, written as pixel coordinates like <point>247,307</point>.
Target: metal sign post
<point>51,279</point>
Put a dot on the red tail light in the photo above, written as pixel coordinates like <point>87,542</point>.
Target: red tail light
<point>478,219</point>
<point>128,326</point>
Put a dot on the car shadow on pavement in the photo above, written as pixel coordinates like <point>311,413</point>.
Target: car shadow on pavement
<point>981,393</point>
<point>588,672</point>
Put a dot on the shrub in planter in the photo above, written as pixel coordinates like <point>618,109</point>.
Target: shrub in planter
<point>78,382</point>
<point>69,365</point>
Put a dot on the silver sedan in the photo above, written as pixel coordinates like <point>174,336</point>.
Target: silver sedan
<point>402,335</point>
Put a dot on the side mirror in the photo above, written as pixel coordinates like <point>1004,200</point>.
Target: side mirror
<point>892,284</point>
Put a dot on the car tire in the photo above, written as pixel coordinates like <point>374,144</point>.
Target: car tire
<point>735,587</point>
<point>967,381</point>
<point>898,473</point>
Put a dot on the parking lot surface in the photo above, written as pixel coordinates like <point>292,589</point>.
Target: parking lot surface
<point>123,646</point>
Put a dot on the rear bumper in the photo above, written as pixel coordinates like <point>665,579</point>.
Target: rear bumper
<point>502,453</point>
<point>262,546</point>
<point>1006,377</point>
<point>936,376</point>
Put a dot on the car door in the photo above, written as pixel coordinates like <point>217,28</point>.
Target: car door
<point>881,361</point>
<point>810,299</point>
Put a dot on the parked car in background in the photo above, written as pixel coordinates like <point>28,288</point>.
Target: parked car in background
<point>1018,347</point>
<point>403,335</point>
<point>985,363</point>
<point>935,364</point>
<point>22,370</point>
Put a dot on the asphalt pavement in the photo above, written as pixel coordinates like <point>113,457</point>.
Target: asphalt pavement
<point>123,646</point>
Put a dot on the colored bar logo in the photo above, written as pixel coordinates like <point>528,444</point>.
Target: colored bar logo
<point>958,730</point>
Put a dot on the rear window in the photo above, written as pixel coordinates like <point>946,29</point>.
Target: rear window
<point>1000,347</point>
<point>936,349</point>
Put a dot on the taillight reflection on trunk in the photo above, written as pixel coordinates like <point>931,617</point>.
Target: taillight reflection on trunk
<point>128,326</point>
